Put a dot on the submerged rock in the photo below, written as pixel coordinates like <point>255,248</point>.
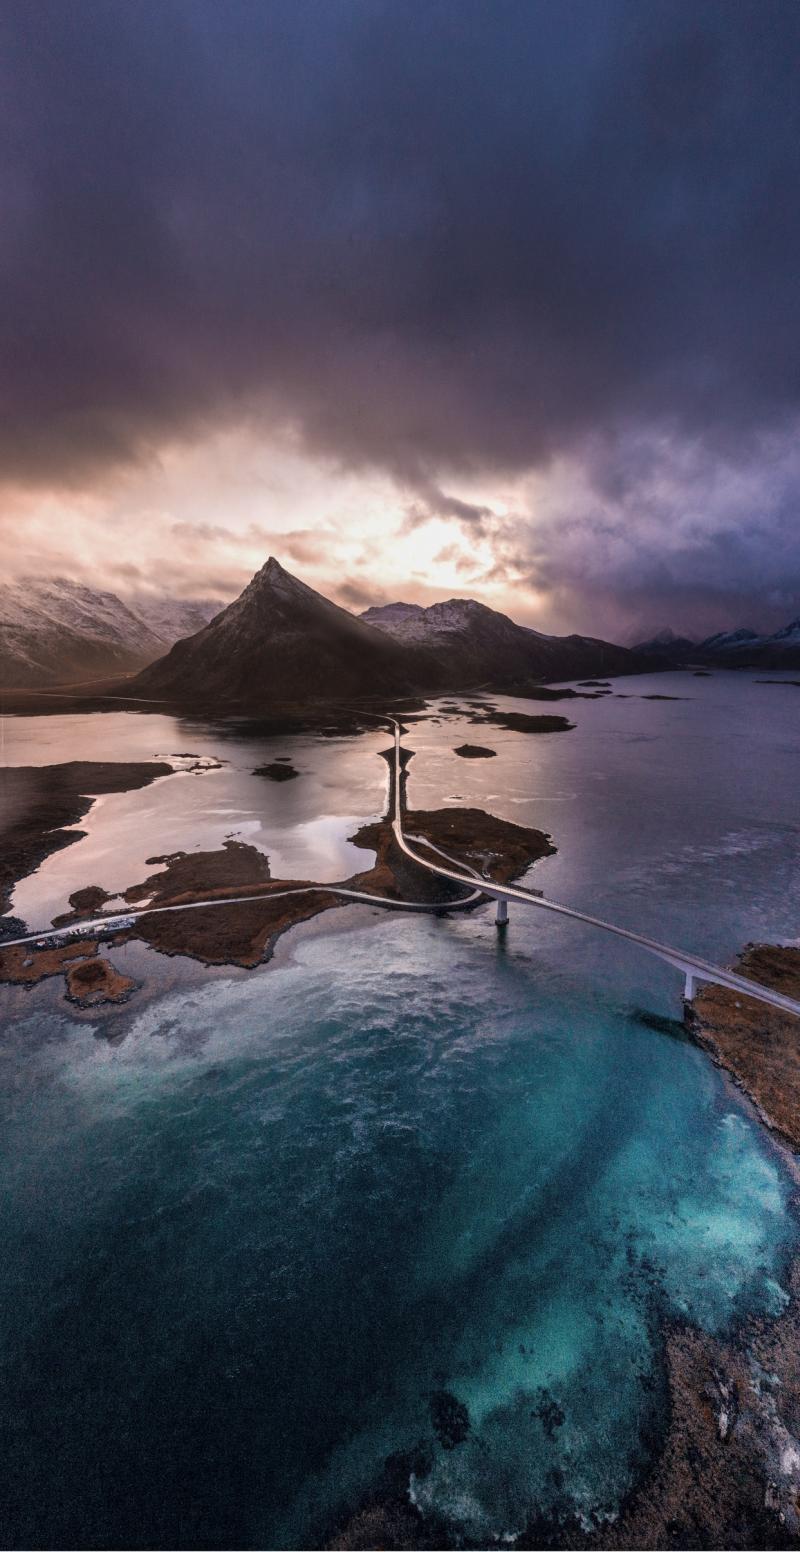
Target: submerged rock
<point>278,770</point>
<point>450,1419</point>
<point>475,752</point>
<point>550,1414</point>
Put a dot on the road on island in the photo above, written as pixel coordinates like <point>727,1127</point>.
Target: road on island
<point>694,969</point>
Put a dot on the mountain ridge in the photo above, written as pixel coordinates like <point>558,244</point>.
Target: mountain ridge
<point>282,641</point>
<point>53,630</point>
<point>469,638</point>
<point>739,648</point>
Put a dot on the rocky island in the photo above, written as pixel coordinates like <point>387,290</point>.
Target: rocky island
<point>245,934</point>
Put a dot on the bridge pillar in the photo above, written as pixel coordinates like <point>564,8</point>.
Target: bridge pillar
<point>688,990</point>
<point>501,919</point>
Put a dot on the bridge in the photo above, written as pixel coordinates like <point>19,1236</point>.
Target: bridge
<point>694,969</point>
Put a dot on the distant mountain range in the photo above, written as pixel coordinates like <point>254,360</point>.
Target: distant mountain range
<point>281,641</point>
<point>56,631</point>
<point>730,649</point>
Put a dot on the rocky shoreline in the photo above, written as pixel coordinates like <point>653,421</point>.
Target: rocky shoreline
<point>726,1472</point>
<point>246,935</point>
<point>38,802</point>
<point>757,1045</point>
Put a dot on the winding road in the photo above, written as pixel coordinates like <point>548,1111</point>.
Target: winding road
<point>694,969</point>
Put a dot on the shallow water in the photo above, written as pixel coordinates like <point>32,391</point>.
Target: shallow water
<point>302,825</point>
<point>246,1243</point>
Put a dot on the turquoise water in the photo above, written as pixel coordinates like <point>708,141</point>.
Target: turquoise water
<point>243,1247</point>
<point>251,1235</point>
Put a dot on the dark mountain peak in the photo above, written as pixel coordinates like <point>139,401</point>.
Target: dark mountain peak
<point>274,577</point>
<point>668,645</point>
<point>667,637</point>
<point>282,641</point>
<point>273,571</point>
<point>274,597</point>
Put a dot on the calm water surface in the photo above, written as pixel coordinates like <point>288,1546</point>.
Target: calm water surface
<point>254,1222</point>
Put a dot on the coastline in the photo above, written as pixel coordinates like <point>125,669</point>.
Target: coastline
<point>246,935</point>
<point>726,1469</point>
<point>717,1474</point>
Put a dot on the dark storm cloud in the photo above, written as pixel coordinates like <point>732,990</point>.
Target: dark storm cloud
<point>442,239</point>
<point>436,237</point>
<point>432,502</point>
<point>357,594</point>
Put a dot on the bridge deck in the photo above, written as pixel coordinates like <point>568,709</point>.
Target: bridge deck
<point>690,965</point>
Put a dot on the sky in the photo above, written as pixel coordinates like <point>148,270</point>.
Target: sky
<point>428,299</point>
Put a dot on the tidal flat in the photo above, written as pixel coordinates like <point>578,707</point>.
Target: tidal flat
<point>419,1233</point>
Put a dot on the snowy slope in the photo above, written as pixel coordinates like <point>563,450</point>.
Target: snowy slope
<point>745,648</point>
<point>474,644</point>
<point>53,630</point>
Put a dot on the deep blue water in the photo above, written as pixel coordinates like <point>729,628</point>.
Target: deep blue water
<point>245,1244</point>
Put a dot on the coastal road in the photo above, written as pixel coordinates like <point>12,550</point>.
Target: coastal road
<point>119,921</point>
<point>694,969</point>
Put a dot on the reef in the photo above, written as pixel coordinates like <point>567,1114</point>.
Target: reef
<point>728,1473</point>
<point>475,752</point>
<point>725,1471</point>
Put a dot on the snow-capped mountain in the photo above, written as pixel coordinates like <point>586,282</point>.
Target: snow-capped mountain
<point>56,631</point>
<point>748,649</point>
<point>473,644</point>
<point>789,636</point>
<point>742,648</point>
<point>725,640</point>
<point>170,619</point>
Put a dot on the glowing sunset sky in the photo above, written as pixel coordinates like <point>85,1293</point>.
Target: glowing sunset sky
<point>495,299</point>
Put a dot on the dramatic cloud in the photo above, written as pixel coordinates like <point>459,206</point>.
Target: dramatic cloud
<point>462,244</point>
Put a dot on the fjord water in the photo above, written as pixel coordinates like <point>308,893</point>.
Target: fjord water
<point>253,1224</point>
